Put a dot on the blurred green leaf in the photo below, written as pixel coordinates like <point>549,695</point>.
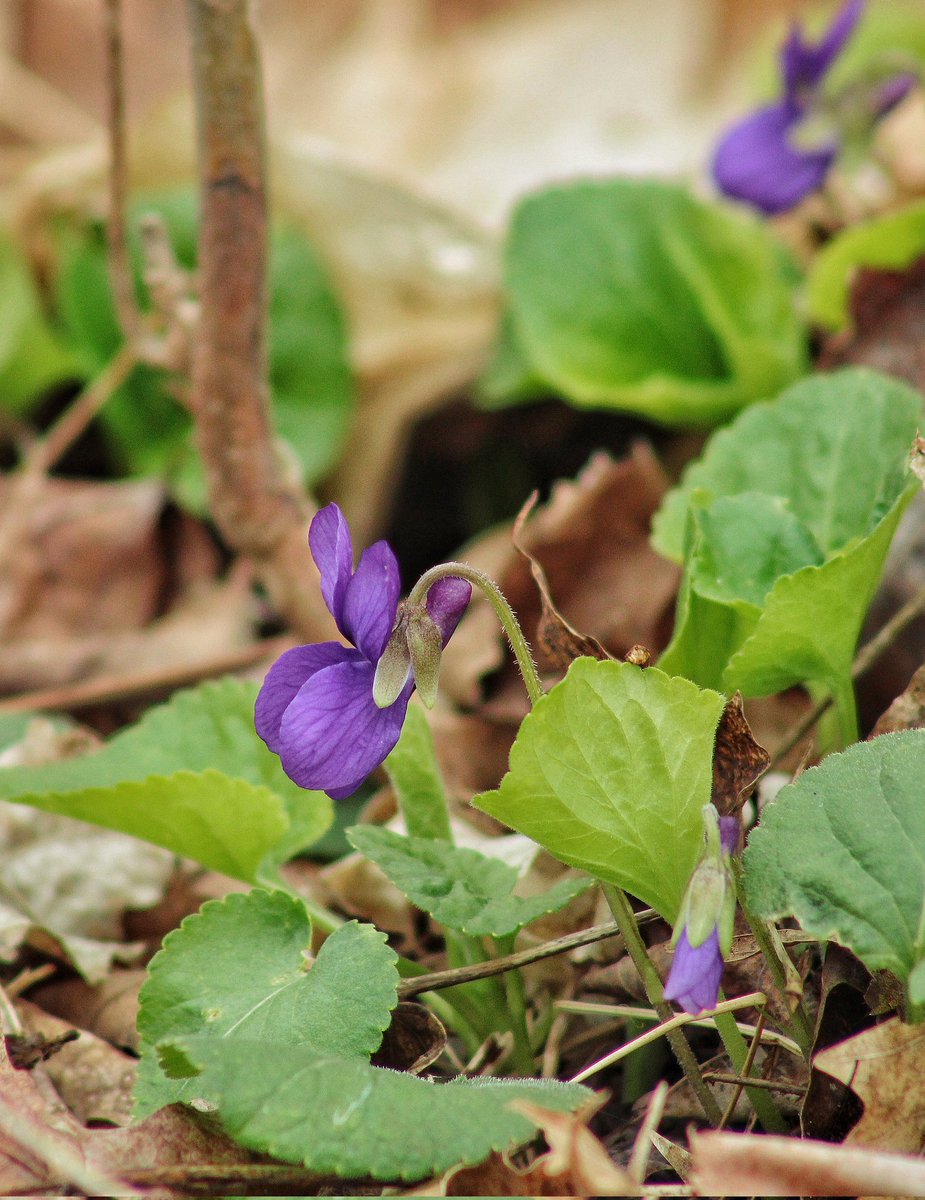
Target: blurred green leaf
<point>633,295</point>
<point>31,356</point>
<point>310,378</point>
<point>893,241</point>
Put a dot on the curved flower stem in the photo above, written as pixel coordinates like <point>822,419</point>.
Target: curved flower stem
<point>626,920</point>
<point>503,611</point>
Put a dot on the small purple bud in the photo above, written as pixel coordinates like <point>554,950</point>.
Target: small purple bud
<point>696,974</point>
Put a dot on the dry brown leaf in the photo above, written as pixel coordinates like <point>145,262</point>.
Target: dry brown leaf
<point>414,1039</point>
<point>738,760</point>
<point>93,1078</point>
<point>908,709</point>
<point>557,643</point>
<point>592,539</point>
<point>741,1164</point>
<point>888,318</point>
<point>884,1066</point>
<point>108,1009</point>
<point>577,1161</point>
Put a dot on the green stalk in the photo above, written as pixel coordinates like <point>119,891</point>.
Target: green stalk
<point>626,920</point>
<point>515,995</point>
<point>737,1048</point>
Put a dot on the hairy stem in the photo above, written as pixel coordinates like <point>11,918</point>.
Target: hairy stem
<point>503,611</point>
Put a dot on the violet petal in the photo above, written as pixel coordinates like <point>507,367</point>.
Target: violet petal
<point>332,549</point>
<point>332,735</point>
<point>696,974</point>
<point>371,601</point>
<point>892,92</point>
<point>805,64</point>
<point>729,830</point>
<point>755,161</point>
<point>446,603</point>
<point>284,679</point>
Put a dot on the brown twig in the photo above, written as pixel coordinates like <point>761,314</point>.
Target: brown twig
<point>497,966</point>
<point>107,689</point>
<point>120,266</point>
<point>256,510</point>
<point>864,660</point>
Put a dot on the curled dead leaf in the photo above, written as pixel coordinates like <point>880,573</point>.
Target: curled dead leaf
<point>738,760</point>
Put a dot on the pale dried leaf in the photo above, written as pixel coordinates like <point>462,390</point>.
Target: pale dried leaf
<point>739,1164</point>
<point>884,1065</point>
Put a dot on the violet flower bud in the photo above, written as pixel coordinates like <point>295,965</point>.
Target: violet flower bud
<point>703,933</point>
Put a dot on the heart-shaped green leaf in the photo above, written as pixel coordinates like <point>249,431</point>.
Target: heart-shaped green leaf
<point>610,772</point>
<point>238,969</point>
<point>783,527</point>
<point>192,775</point>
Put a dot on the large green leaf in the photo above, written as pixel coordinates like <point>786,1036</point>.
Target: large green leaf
<point>783,526</point>
<point>350,1119</point>
<point>193,776</point>
<point>610,772</point>
<point>632,294</point>
<point>843,850</point>
<point>460,888</point>
<point>892,241</point>
<point>238,970</point>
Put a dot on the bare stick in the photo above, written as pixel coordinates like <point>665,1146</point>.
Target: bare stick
<point>106,689</point>
<point>257,512</point>
<point>497,966</point>
<point>120,267</point>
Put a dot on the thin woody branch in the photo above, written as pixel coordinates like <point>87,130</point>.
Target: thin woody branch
<point>256,510</point>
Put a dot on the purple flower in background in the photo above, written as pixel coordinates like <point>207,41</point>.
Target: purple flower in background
<point>761,159</point>
<point>707,914</point>
<point>316,708</point>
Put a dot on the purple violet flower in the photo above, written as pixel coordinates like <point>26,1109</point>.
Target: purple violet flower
<point>316,708</point>
<point>706,922</point>
<point>696,973</point>
<point>760,159</point>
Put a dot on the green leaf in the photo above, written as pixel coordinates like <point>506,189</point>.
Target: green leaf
<point>843,850</point>
<point>31,357</point>
<point>610,772</point>
<point>351,1119</point>
<point>415,776</point>
<point>893,241</point>
<point>784,525</point>
<point>833,446</point>
<point>460,888</point>
<point>310,380</point>
<point>238,970</point>
<point>634,295</point>
<point>192,776</point>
